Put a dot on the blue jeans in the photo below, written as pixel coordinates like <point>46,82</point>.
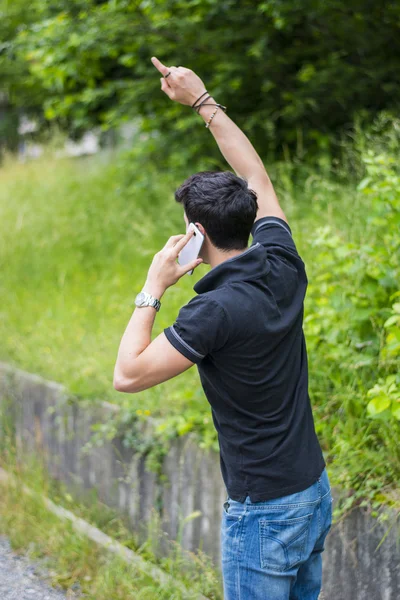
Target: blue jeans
<point>272,550</point>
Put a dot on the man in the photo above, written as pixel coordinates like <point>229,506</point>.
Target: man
<point>243,329</point>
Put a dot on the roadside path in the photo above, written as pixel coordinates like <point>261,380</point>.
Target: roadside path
<point>22,579</point>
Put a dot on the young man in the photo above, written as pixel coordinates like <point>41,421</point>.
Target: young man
<point>244,332</point>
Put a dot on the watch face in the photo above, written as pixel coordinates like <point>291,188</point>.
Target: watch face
<point>140,299</point>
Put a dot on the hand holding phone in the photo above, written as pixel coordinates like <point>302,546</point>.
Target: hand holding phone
<point>192,249</point>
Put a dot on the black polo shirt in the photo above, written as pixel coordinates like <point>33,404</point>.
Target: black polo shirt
<point>244,331</point>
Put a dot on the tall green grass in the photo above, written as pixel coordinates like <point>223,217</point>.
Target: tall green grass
<point>74,253</point>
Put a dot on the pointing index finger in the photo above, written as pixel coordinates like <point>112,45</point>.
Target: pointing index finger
<point>158,65</point>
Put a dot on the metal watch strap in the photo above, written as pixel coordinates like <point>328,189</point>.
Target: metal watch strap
<point>156,303</point>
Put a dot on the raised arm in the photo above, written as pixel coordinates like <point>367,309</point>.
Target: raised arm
<point>184,86</point>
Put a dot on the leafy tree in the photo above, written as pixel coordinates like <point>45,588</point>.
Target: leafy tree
<point>294,75</point>
<point>17,89</point>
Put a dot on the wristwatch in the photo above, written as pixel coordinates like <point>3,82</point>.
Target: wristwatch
<point>145,299</point>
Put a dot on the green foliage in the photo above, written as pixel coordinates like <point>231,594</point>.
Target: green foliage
<point>352,328</point>
<point>17,87</point>
<point>385,398</point>
<point>293,75</point>
<point>351,317</point>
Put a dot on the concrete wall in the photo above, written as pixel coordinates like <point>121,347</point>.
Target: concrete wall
<point>47,422</point>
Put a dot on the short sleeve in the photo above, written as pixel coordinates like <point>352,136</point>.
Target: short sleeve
<point>200,328</point>
<point>276,236</point>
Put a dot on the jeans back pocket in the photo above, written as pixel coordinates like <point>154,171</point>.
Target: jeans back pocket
<point>282,542</point>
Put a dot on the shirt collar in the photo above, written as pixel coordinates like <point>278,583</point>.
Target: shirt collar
<point>250,264</point>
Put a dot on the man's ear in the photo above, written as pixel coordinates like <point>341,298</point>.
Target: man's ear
<point>201,228</point>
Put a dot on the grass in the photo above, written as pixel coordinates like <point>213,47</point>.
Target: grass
<point>74,253</point>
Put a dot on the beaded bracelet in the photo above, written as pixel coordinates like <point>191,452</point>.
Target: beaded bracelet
<point>214,104</point>
<point>212,116</point>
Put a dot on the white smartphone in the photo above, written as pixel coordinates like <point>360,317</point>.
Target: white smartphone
<point>191,251</point>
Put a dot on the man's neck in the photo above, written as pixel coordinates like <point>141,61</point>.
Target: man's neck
<point>216,257</point>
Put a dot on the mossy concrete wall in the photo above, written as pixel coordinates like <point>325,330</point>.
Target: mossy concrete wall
<point>49,424</point>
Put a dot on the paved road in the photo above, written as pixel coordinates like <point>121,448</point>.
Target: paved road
<point>20,578</point>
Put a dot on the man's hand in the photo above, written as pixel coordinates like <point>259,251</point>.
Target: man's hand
<point>164,270</point>
<point>182,85</point>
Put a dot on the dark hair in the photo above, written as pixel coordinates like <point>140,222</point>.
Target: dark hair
<point>223,203</point>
